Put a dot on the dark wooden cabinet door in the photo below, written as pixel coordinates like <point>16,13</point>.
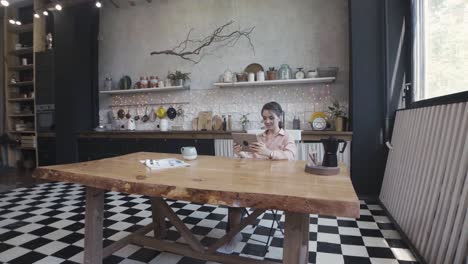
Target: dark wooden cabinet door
<point>46,151</point>
<point>99,148</point>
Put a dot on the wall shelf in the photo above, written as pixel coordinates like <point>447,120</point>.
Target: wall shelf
<point>146,90</point>
<point>23,51</point>
<point>22,115</point>
<point>21,99</point>
<point>26,83</point>
<point>22,132</point>
<point>20,29</point>
<point>21,68</point>
<point>278,82</point>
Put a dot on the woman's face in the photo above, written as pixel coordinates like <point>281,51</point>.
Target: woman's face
<point>270,120</point>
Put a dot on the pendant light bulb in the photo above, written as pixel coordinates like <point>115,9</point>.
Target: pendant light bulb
<point>98,4</point>
<point>5,3</point>
<point>12,21</point>
<point>18,23</point>
<point>45,13</point>
<point>58,7</point>
<point>36,15</point>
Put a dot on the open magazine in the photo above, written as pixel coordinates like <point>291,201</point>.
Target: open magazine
<point>164,163</point>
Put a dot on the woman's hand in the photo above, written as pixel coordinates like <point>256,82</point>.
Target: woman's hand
<point>260,148</point>
<point>237,149</point>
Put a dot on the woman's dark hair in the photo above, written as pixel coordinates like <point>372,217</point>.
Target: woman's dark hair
<point>275,108</point>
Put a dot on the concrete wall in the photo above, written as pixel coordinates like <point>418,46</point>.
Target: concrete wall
<point>301,33</point>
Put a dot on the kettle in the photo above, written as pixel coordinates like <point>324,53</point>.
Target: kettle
<point>330,146</point>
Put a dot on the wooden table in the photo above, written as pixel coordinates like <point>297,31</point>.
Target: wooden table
<point>236,183</point>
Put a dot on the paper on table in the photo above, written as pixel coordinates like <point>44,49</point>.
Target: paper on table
<point>164,163</point>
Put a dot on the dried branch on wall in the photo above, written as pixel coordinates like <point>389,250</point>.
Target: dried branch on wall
<point>114,4</point>
<point>191,49</point>
<point>130,2</point>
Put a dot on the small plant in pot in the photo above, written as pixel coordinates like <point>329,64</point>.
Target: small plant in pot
<point>241,76</point>
<point>271,73</point>
<point>339,114</point>
<point>244,121</point>
<point>178,78</point>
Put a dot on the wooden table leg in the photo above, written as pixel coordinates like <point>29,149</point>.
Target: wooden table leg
<point>93,225</point>
<point>234,217</point>
<point>296,238</point>
<point>160,228</point>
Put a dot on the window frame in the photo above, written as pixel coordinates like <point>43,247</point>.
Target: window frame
<point>418,63</point>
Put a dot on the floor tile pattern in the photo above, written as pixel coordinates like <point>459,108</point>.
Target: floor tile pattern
<point>45,224</point>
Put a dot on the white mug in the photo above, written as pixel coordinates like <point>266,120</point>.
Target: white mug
<point>251,77</point>
<point>189,153</point>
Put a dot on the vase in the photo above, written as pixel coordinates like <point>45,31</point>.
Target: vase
<point>340,123</point>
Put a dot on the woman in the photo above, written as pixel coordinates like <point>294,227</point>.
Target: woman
<point>274,143</point>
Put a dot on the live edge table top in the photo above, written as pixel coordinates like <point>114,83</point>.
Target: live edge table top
<point>262,184</point>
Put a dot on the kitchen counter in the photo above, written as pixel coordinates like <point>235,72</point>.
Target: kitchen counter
<point>307,135</point>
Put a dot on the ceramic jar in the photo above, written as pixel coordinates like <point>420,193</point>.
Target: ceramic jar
<point>143,82</point>
<point>312,74</point>
<point>251,77</point>
<point>228,76</point>
<point>260,76</point>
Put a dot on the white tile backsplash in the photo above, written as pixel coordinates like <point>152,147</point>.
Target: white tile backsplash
<point>295,100</point>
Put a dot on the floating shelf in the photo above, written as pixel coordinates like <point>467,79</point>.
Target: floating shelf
<point>22,132</point>
<point>23,51</point>
<point>278,82</point>
<point>20,99</point>
<point>21,68</point>
<point>28,148</point>
<point>26,83</point>
<point>21,29</point>
<point>146,90</point>
<point>21,115</point>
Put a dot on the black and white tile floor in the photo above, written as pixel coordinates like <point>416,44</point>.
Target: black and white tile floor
<point>45,224</point>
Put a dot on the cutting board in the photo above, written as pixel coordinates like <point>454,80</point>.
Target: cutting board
<point>204,120</point>
<point>217,123</point>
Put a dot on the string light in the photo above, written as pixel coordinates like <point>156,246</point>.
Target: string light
<point>36,15</point>
<point>98,4</point>
<point>12,21</point>
<point>5,3</point>
<point>45,13</point>
<point>18,23</point>
<point>58,7</point>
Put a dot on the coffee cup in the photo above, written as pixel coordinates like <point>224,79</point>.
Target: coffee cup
<point>189,153</point>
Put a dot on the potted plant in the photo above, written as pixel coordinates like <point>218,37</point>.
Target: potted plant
<point>339,113</point>
<point>244,121</point>
<point>271,73</point>
<point>178,78</point>
<point>241,76</point>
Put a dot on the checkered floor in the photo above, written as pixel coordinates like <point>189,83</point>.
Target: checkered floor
<point>45,224</point>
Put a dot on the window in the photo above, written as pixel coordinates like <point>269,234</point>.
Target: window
<point>440,48</point>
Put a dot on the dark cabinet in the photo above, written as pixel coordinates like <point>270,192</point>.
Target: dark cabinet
<point>99,148</point>
<point>46,151</point>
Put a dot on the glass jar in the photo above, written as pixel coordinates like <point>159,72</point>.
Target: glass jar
<point>284,72</point>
